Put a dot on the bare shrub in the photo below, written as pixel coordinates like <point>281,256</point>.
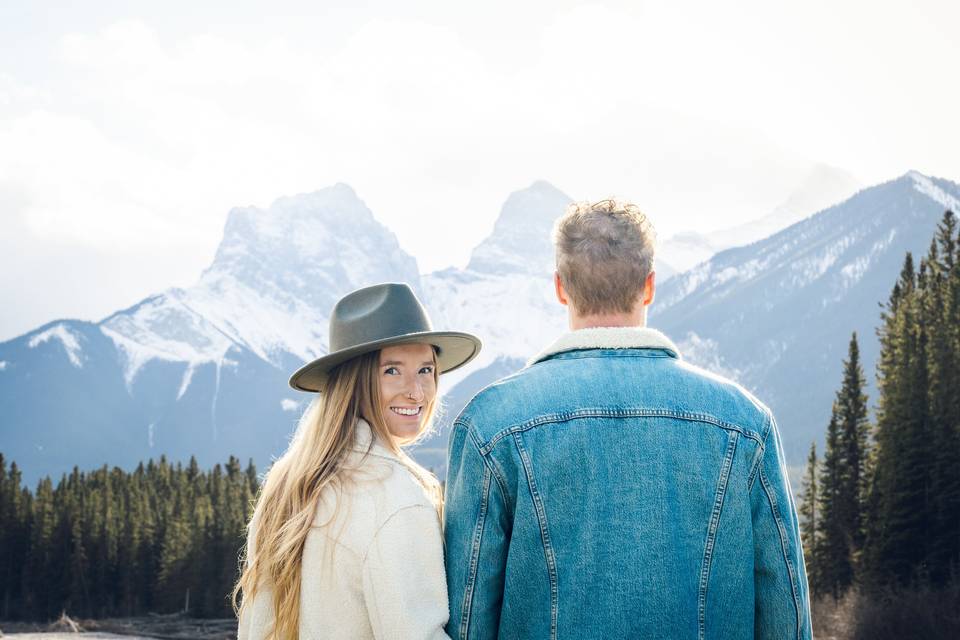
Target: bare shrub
<point>919,612</point>
<point>833,619</point>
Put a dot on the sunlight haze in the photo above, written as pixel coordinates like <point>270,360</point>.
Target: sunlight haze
<point>128,131</point>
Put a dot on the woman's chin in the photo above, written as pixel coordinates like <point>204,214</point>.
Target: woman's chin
<point>405,431</point>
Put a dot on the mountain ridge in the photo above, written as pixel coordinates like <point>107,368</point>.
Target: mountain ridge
<point>203,369</point>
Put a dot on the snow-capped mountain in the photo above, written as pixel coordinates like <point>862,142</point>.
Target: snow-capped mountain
<point>203,370</point>
<point>822,187</point>
<point>275,277</point>
<point>505,295</point>
<point>777,315</point>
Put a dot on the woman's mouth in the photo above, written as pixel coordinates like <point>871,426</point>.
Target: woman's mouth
<point>407,412</point>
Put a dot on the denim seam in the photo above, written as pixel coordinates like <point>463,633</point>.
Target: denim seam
<point>712,532</point>
<point>487,462</point>
<point>544,535</point>
<point>501,485</point>
<point>615,413</point>
<point>783,545</point>
<point>761,450</point>
<point>475,557</point>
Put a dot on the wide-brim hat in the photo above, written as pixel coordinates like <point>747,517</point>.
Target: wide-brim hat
<point>375,317</point>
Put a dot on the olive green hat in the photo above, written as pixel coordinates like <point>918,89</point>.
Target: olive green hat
<point>375,317</point>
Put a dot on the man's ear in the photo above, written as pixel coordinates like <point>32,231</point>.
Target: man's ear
<point>558,285</point>
<point>649,287</point>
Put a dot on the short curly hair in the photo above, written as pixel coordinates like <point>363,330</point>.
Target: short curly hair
<point>605,251</point>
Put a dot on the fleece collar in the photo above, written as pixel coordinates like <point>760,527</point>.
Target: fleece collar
<point>608,338</point>
<point>364,442</point>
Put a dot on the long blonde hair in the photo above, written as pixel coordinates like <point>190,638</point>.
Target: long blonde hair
<point>289,496</point>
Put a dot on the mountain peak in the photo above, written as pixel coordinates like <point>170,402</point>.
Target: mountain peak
<point>275,276</point>
<point>541,185</point>
<point>334,197</point>
<point>521,235</point>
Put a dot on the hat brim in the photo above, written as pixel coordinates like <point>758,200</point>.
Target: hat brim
<point>455,350</point>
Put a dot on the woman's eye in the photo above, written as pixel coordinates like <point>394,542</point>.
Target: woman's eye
<point>391,371</point>
<point>426,370</point>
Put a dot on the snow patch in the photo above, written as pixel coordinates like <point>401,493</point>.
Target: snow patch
<point>726,274</point>
<point>807,270</point>
<point>150,434</point>
<point>852,272</point>
<point>705,353</point>
<point>3,364</point>
<point>185,382</point>
<point>267,321</point>
<point>69,341</point>
<point>925,185</point>
<point>289,405</point>
<point>166,329</point>
<point>515,315</point>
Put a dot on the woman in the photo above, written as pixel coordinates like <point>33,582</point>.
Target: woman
<point>345,539</point>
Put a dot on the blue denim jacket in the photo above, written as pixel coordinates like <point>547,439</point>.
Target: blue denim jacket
<point>611,490</point>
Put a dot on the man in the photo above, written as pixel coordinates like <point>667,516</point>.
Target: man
<point>611,490</point>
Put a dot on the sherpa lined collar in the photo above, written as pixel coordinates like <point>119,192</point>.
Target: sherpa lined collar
<point>365,442</point>
<point>608,338</point>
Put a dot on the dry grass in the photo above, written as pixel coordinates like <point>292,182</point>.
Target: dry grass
<point>165,627</point>
<point>834,619</point>
<point>923,613</point>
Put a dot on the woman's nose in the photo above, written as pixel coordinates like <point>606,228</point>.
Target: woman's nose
<point>415,392</point>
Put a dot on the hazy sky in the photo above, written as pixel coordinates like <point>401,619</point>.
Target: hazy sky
<point>128,129</point>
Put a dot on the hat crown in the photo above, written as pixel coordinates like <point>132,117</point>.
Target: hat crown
<point>375,313</point>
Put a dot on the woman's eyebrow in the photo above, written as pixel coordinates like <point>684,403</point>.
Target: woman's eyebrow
<point>396,362</point>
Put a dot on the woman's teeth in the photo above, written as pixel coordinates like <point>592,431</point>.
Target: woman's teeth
<point>406,412</point>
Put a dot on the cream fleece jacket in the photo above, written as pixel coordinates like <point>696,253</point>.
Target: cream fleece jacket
<point>373,560</point>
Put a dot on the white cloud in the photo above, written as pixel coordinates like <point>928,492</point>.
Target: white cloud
<point>140,138</point>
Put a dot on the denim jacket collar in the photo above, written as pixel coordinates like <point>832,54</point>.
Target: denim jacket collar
<point>608,338</point>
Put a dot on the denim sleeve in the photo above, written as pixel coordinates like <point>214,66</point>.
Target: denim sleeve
<point>780,581</point>
<point>475,541</point>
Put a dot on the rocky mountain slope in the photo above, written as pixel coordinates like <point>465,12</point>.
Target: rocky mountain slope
<point>202,370</point>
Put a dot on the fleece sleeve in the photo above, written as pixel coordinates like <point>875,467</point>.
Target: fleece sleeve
<point>404,585</point>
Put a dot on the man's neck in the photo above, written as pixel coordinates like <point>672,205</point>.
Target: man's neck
<point>634,319</point>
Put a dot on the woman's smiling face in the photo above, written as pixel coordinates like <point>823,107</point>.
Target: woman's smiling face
<point>408,385</point>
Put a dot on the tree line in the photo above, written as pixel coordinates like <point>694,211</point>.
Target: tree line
<point>881,510</point>
<point>162,538</point>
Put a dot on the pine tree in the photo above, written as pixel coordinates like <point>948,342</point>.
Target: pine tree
<point>6,531</point>
<point>902,513</point>
<point>835,569</point>
<point>809,520</point>
<point>942,316</point>
<point>14,537</point>
<point>854,429</point>
<point>41,579</point>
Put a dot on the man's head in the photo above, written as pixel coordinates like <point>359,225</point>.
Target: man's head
<point>605,255</point>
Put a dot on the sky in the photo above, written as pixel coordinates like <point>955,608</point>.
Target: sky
<point>129,129</point>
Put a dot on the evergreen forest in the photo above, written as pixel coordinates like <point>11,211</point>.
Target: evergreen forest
<point>880,512</point>
<point>109,543</point>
